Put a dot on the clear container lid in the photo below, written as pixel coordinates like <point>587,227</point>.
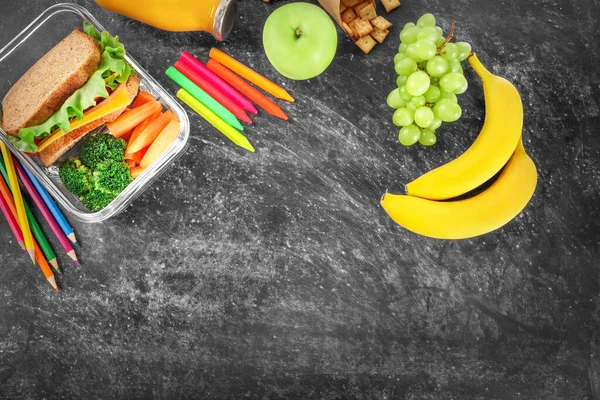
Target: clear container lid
<point>49,28</point>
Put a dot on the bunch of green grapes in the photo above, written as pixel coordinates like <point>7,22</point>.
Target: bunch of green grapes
<point>430,77</point>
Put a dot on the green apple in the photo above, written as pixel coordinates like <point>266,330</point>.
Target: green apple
<point>300,40</point>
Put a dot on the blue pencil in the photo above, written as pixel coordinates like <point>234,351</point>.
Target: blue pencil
<point>54,210</point>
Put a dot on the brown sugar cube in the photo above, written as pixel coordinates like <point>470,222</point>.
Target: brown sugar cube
<point>342,7</point>
<point>348,16</point>
<point>389,5</point>
<point>347,29</point>
<point>381,23</point>
<point>379,35</point>
<point>350,3</point>
<point>366,43</point>
<point>367,12</point>
<point>361,27</point>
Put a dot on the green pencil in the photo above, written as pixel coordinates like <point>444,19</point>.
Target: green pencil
<point>35,226</point>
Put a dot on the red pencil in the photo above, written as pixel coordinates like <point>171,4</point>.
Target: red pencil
<point>246,89</point>
<point>215,93</point>
<point>12,222</point>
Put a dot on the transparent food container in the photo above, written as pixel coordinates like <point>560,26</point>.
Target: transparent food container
<point>31,44</point>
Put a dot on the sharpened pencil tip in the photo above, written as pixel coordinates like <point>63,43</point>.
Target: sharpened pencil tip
<point>31,255</point>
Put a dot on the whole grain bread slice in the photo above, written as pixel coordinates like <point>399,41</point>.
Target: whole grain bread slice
<point>56,149</point>
<point>50,81</point>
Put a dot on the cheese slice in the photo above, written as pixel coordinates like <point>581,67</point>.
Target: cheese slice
<point>118,99</point>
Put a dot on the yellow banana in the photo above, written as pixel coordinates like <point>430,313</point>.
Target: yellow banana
<point>474,216</point>
<point>491,150</point>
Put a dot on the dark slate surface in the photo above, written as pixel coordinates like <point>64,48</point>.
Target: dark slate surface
<point>276,275</point>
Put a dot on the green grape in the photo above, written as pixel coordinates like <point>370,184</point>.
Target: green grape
<point>423,116</point>
<point>409,135</point>
<point>464,49</point>
<point>409,35</point>
<point>427,137</point>
<point>393,99</point>
<point>432,94</point>
<point>408,25</point>
<point>428,33</point>
<point>449,52</point>
<point>398,57</point>
<point>417,83</point>
<point>440,31</point>
<point>435,124</point>
<point>455,66</point>
<point>449,96</point>
<point>410,52</point>
<point>402,47</point>
<point>404,95</point>
<point>405,66</point>
<point>437,67</point>
<point>434,80</point>
<point>439,41</point>
<point>401,80</point>
<point>426,20</point>
<point>411,106</point>
<point>447,110</point>
<point>418,101</point>
<point>403,116</point>
<point>425,49</point>
<point>463,88</point>
<point>453,82</point>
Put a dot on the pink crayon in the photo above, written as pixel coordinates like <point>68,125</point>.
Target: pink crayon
<point>216,81</point>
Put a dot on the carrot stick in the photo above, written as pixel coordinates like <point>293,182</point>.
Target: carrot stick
<point>130,163</point>
<point>128,121</point>
<point>136,171</point>
<point>167,135</point>
<point>142,98</point>
<point>137,156</point>
<point>151,132</point>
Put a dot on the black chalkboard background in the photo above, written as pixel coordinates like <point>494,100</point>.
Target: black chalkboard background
<point>276,275</point>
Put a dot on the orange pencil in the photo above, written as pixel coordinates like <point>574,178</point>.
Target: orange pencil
<point>247,90</point>
<point>39,257</point>
<point>248,74</point>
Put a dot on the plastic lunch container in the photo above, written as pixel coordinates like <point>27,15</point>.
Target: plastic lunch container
<point>24,50</point>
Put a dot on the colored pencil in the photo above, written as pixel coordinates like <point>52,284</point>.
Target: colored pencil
<point>39,256</point>
<point>209,88</point>
<point>38,234</point>
<point>56,213</point>
<point>18,198</point>
<point>246,89</point>
<point>7,204</point>
<point>219,83</point>
<point>65,243</point>
<point>203,97</point>
<point>227,130</point>
<point>10,218</point>
<point>250,75</point>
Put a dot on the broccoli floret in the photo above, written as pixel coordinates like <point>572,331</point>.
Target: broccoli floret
<point>101,147</point>
<point>76,177</point>
<point>97,199</point>
<point>112,176</point>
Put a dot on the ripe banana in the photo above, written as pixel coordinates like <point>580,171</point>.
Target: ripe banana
<point>474,216</point>
<point>491,150</point>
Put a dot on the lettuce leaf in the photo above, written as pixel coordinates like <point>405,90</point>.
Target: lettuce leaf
<point>112,70</point>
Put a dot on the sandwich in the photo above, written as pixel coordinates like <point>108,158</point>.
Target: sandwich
<point>80,84</point>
